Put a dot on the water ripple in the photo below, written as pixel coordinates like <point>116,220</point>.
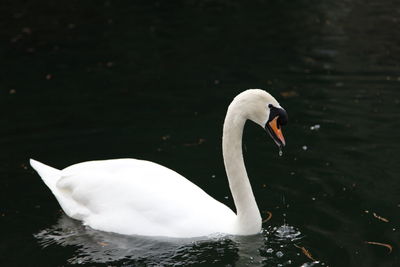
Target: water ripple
<point>276,246</point>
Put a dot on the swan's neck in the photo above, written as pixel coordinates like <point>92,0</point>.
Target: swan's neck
<point>248,220</point>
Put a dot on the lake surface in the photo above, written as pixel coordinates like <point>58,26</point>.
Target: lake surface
<point>83,80</point>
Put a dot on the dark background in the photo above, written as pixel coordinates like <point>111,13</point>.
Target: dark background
<point>84,80</point>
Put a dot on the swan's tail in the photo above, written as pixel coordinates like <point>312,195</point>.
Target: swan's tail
<point>48,174</point>
<point>50,177</point>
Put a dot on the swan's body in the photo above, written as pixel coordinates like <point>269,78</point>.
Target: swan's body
<point>120,196</point>
<point>129,196</point>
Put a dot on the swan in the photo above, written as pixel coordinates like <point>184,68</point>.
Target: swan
<point>138,197</point>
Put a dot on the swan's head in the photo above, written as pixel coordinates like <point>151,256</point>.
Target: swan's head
<point>262,108</point>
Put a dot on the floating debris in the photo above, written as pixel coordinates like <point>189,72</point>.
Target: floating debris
<point>380,218</point>
<point>268,218</point>
<point>288,94</point>
<point>380,244</point>
<point>305,252</point>
<point>23,166</point>
<point>165,137</point>
<point>199,142</point>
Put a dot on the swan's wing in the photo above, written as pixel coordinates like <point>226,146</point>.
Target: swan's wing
<point>130,196</point>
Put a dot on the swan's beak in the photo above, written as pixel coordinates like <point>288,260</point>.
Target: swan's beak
<point>275,132</point>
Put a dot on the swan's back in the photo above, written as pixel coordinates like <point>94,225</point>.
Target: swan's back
<point>130,196</point>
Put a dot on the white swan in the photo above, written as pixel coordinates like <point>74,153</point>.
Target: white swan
<point>129,196</point>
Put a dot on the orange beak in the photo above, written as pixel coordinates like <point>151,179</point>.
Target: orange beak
<point>278,132</point>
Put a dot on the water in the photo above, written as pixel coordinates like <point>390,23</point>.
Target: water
<point>152,80</point>
<point>98,247</point>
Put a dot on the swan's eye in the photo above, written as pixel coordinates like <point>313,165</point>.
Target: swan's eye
<point>278,113</point>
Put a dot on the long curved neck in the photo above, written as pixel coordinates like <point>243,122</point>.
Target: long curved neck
<point>248,215</point>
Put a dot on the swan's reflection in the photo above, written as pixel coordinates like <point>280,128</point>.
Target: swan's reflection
<point>101,247</point>
<point>92,246</point>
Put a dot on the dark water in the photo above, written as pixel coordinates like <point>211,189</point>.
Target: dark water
<point>84,80</point>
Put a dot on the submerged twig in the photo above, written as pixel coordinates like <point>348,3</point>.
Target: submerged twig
<point>268,218</point>
<point>380,244</point>
<point>305,252</point>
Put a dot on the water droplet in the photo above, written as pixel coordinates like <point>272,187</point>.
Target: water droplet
<point>304,148</point>
<point>286,232</point>
<point>280,152</point>
<point>315,127</point>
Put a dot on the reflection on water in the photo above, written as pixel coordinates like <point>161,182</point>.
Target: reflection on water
<point>277,245</point>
